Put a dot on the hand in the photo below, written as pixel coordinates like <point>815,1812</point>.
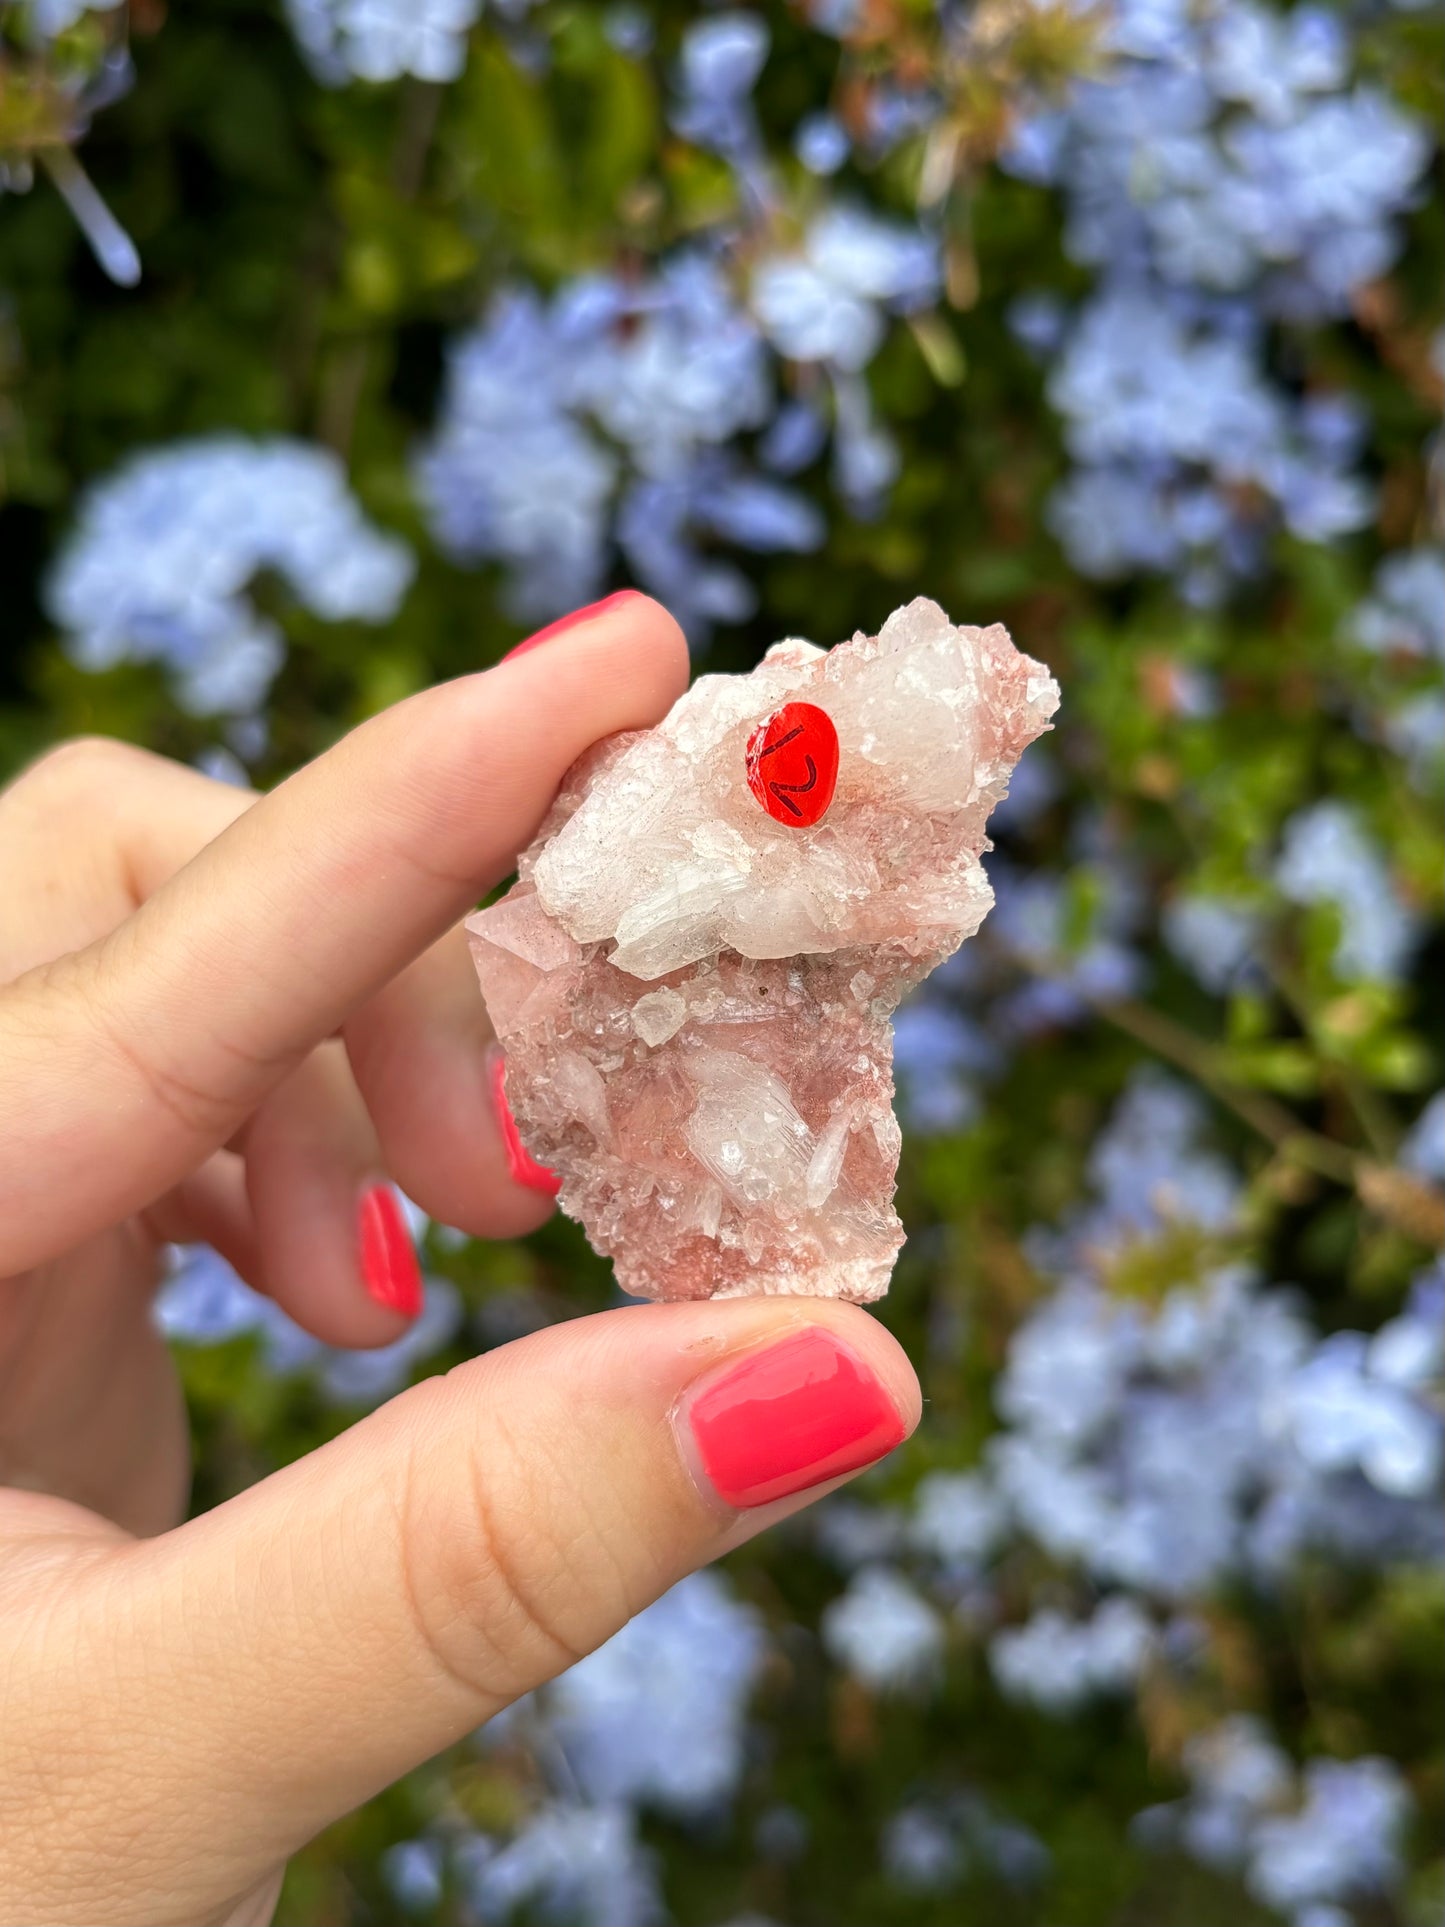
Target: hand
<point>231,1018</point>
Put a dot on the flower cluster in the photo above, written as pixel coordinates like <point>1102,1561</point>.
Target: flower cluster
<point>164,553</point>
<point>1160,1453</point>
<point>606,416</point>
<point>1401,626</point>
<point>1164,1452</point>
<point>1309,1844</point>
<point>655,1718</point>
<point>608,419</point>
<point>1219,1434</point>
<point>1058,1663</point>
<point>576,1863</point>
<point>1329,858</point>
<point>377,40</point>
<point>203,1302</point>
<point>882,1631</point>
<point>1227,173</point>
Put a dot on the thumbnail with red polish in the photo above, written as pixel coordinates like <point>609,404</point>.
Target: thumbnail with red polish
<point>805,1410</point>
<point>389,1267</point>
<point>573,621</point>
<point>523,1167</point>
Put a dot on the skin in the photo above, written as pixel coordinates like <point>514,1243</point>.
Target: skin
<point>221,1017</point>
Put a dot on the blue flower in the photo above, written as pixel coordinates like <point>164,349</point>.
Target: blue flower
<point>1030,925</point>
<point>1404,615</point>
<point>509,473</point>
<point>580,1864</point>
<point>826,302</point>
<point>958,1519</point>
<point>603,419</point>
<point>413,1870</point>
<point>1164,1449</point>
<point>795,437</point>
<point>1214,936</point>
<point>1056,1663</point>
<point>629,28</point>
<point>721,59</point>
<point>1316,193</point>
<point>938,1053</point>
<point>688,370</point>
<point>1149,1170</point>
<point>654,534</point>
<point>1224,155</point>
<point>158,565</point>
<point>1223,152</point>
<point>1342,1843</point>
<point>921,1850</point>
<point>1237,1774</point>
<point>1039,321</point>
<point>927,1846</point>
<point>821,144</point>
<point>1266,61</point>
<point>657,1714</point>
<point>757,514</point>
<point>1169,415</point>
<point>1328,858</point>
<point>380,40</point>
<point>45,19</point>
<point>204,1302</point>
<point>836,17</point>
<point>884,1632</point>
<point>1423,1151</point>
<point>1340,1416</point>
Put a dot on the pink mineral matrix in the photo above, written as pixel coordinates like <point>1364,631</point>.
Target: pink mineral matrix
<point>694,972</point>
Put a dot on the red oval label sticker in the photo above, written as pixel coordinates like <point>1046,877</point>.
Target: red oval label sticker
<point>792,763</point>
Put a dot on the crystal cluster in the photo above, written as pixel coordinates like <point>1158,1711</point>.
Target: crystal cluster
<point>694,973</point>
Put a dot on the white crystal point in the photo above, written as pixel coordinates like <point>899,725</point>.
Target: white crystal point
<point>693,992</point>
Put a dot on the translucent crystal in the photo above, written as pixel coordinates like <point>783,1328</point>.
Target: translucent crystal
<point>694,995</point>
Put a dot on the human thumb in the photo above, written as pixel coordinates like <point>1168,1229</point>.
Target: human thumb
<point>259,1671</point>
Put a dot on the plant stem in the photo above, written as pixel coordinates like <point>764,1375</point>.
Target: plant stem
<point>1271,1119</point>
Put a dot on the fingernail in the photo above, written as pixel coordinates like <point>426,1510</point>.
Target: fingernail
<point>564,623</point>
<point>520,1162</point>
<point>389,1267</point>
<point>803,1411</point>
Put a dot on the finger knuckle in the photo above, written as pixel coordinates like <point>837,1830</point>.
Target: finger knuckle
<point>495,1593</point>
<point>205,1109</point>
<point>79,768</point>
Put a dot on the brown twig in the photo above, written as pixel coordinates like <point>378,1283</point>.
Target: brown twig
<point>1271,1119</point>
<point>1397,1196</point>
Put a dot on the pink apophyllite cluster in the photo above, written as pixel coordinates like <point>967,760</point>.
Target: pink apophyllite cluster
<point>694,974</point>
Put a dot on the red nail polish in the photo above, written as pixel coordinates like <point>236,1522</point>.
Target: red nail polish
<point>389,1267</point>
<point>563,623</point>
<point>520,1162</point>
<point>789,1417</point>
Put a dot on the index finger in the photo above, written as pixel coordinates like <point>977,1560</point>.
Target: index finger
<point>126,1063</point>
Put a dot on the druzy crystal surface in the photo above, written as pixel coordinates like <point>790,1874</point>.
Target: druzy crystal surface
<point>694,974</point>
